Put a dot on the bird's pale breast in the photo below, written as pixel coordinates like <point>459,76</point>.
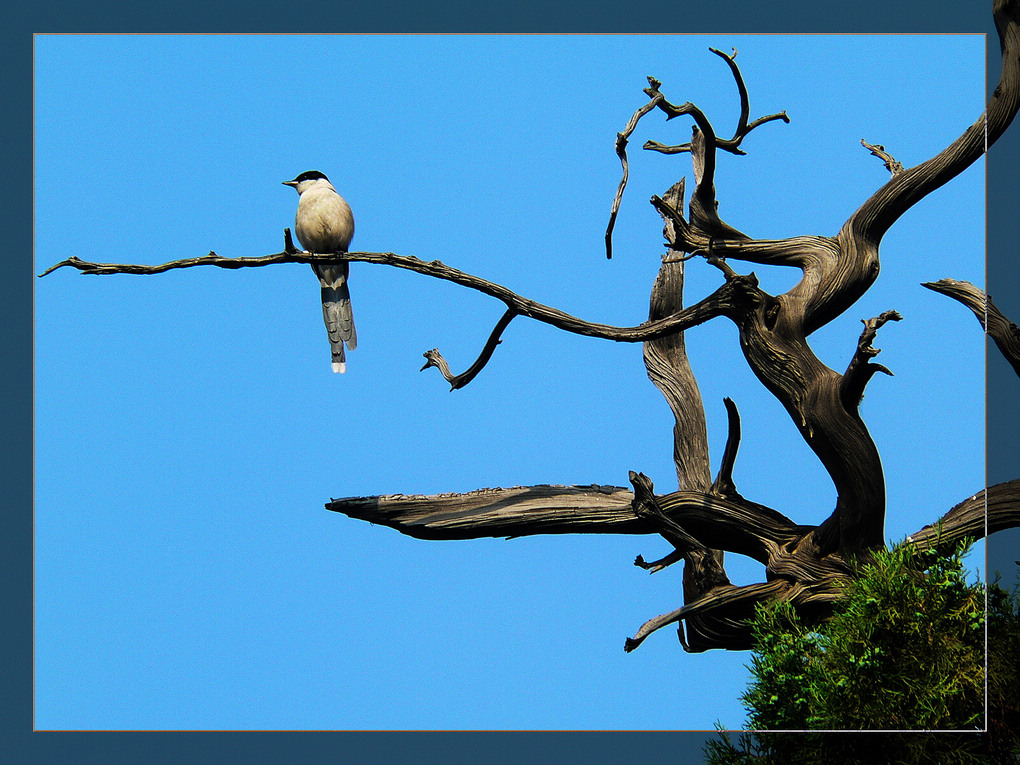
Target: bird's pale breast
<point>324,221</point>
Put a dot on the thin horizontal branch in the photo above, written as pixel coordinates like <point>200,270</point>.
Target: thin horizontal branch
<point>696,314</point>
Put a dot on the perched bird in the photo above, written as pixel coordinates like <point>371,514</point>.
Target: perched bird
<point>324,224</point>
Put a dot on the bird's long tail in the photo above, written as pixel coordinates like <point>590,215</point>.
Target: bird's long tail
<point>337,315</point>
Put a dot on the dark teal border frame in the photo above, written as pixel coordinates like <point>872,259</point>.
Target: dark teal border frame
<point>19,743</point>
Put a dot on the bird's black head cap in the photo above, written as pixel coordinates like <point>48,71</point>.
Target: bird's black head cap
<point>311,175</point>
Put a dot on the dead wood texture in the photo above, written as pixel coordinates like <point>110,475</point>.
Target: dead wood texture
<point>706,517</point>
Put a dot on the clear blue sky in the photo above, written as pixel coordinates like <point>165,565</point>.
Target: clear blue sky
<point>188,429</point>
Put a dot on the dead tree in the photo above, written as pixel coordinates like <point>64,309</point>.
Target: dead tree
<point>707,516</point>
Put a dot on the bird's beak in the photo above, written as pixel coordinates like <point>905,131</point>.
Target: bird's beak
<point>290,183</point>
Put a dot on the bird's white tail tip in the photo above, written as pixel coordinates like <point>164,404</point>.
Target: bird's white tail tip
<point>339,367</point>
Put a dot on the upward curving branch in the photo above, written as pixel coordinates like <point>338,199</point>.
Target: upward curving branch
<point>873,218</point>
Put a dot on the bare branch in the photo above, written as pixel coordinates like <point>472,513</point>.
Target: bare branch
<point>860,371</point>
<point>435,358</point>
<point>904,189</point>
<point>658,565</point>
<point>726,598</point>
<point>647,506</point>
<point>743,128</point>
<point>701,312</point>
<point>621,152</point>
<point>212,259</point>
<point>668,365</point>
<point>968,519</point>
<point>703,146</point>
<point>890,162</point>
<point>1005,333</point>
<point>664,148</point>
<point>723,484</point>
<point>510,512</point>
<point>679,235</point>
<point>731,145</point>
<point>736,525</point>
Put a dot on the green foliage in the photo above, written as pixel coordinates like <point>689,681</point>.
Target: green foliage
<point>903,650</point>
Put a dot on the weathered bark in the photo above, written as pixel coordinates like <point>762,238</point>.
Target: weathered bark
<point>692,520</point>
<point>726,523</point>
<point>990,510</point>
<point>669,369</point>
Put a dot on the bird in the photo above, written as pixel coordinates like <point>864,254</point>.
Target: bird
<point>325,224</point>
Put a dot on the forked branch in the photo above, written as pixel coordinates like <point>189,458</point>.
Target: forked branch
<point>860,370</point>
<point>704,193</point>
<point>744,127</point>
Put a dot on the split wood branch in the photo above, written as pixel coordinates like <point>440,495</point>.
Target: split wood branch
<point>738,526</point>
<point>669,367</point>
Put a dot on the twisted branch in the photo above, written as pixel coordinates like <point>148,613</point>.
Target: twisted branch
<point>622,139</point>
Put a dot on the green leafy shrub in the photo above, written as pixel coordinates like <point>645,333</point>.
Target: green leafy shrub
<point>903,650</point>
